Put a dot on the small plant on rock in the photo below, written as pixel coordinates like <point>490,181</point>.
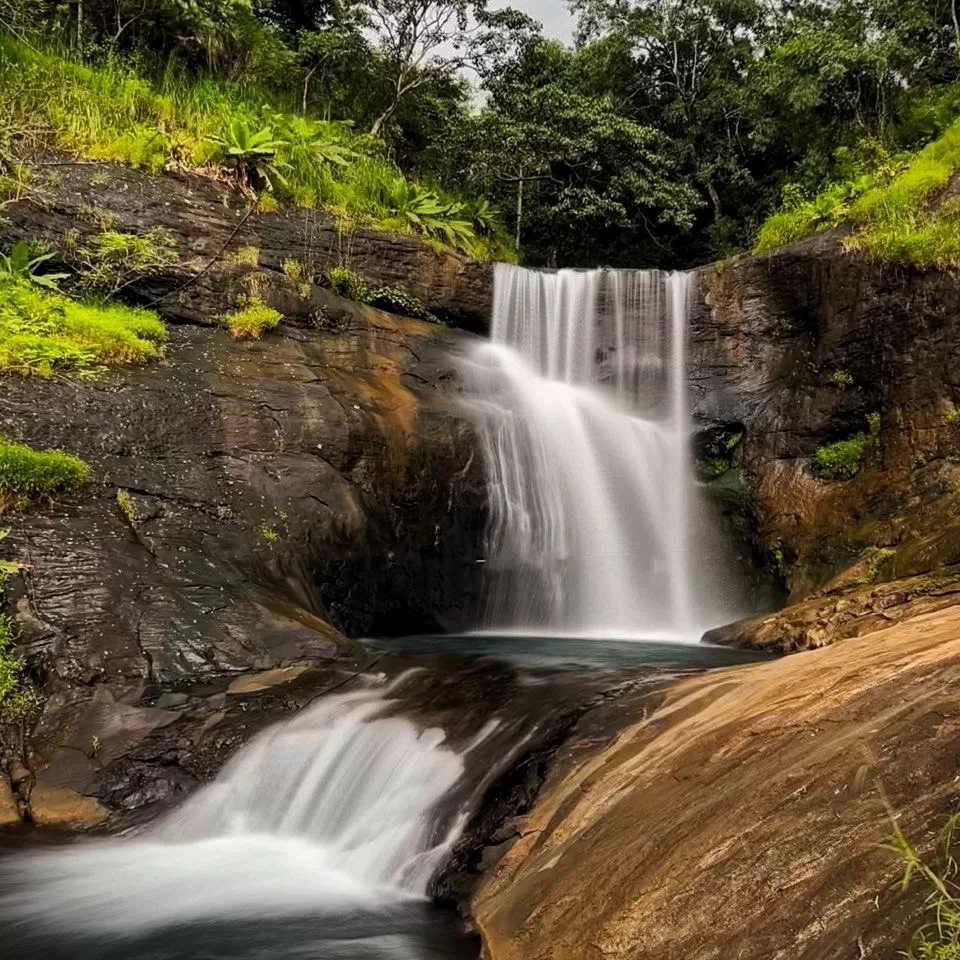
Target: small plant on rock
<point>112,261</point>
<point>18,699</point>
<point>347,284</point>
<point>18,265</point>
<point>252,321</point>
<point>843,460</point>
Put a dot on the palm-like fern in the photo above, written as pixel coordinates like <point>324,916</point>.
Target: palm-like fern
<point>252,154</point>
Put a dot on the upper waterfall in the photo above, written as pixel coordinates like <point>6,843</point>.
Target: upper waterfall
<point>580,399</point>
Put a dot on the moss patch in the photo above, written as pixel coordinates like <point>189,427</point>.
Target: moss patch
<point>43,333</point>
<point>30,476</point>
<point>843,460</point>
<point>18,700</point>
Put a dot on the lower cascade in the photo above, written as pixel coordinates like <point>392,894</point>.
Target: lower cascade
<point>335,810</point>
<point>580,399</point>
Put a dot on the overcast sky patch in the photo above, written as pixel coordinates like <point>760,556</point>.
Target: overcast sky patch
<point>553,14</point>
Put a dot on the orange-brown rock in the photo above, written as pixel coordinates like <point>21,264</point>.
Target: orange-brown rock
<point>791,352</point>
<point>729,824</point>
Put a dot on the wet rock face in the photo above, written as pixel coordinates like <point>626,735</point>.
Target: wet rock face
<point>732,820</point>
<point>253,503</point>
<point>799,349</point>
<point>206,225</point>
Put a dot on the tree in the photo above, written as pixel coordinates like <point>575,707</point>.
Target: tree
<point>420,39</point>
<point>581,178</point>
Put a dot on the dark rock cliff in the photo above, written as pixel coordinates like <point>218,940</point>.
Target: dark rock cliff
<point>254,503</point>
<point>809,346</point>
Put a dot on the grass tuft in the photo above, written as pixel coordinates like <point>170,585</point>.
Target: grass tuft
<point>44,333</point>
<point>897,211</point>
<point>30,476</point>
<point>252,321</point>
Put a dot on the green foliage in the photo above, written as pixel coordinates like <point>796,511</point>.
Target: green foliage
<point>18,700</point>
<point>112,261</point>
<point>268,534</point>
<point>351,286</point>
<point>666,137</point>
<point>110,112</point>
<point>895,210</point>
<point>347,284</point>
<point>426,213</point>
<point>252,154</point>
<point>938,939</point>
<point>19,265</point>
<point>251,321</point>
<point>127,507</point>
<point>44,333</point>
<point>30,476</point>
<point>841,379</point>
<point>875,564</point>
<point>843,460</point>
<point>396,300</point>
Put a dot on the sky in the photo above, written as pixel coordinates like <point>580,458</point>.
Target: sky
<point>553,14</point>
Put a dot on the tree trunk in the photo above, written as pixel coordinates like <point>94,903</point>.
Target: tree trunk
<point>714,200</point>
<point>381,121</point>
<point>306,87</point>
<point>519,211</point>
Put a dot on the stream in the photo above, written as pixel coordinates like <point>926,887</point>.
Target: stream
<point>331,834</point>
<point>319,840</point>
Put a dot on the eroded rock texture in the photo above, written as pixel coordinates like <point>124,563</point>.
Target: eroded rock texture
<point>254,503</point>
<point>735,820</point>
<point>794,351</point>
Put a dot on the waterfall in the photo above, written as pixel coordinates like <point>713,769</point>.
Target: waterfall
<point>580,402</point>
<point>337,809</point>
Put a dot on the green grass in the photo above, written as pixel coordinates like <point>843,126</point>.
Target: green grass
<point>110,113</point>
<point>29,476</point>
<point>43,333</point>
<point>897,211</point>
<point>252,322</point>
<point>18,700</point>
<point>939,937</point>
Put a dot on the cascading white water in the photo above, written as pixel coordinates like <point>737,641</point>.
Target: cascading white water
<point>335,810</point>
<point>580,399</point>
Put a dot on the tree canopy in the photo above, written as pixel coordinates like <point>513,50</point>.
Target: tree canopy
<point>666,134</point>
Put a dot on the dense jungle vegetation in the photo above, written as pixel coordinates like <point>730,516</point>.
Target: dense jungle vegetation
<point>672,132</point>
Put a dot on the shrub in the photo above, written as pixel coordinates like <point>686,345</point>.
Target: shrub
<point>345,283</point>
<point>395,300</point>
<point>43,333</point>
<point>31,476</point>
<point>251,322</point>
<point>111,260</point>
